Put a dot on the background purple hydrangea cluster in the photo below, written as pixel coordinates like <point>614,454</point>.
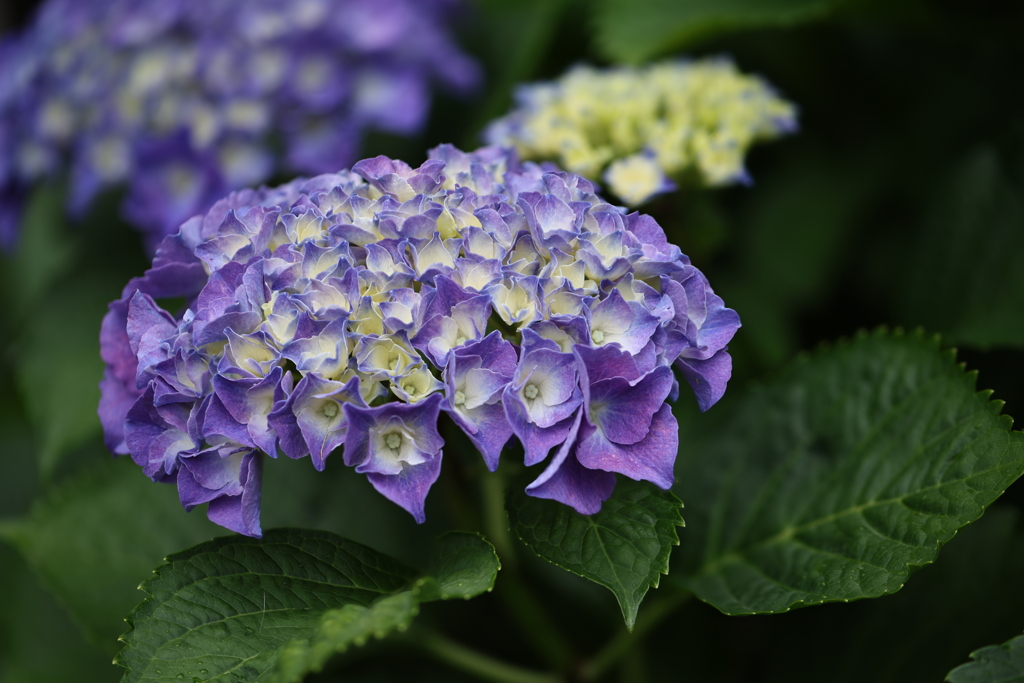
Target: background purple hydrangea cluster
<point>184,100</point>
<point>350,310</point>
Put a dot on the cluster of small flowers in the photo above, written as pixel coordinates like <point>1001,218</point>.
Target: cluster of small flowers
<point>179,99</point>
<point>647,126</point>
<point>351,309</point>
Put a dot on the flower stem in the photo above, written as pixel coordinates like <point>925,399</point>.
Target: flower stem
<point>477,663</point>
<point>535,624</point>
<point>657,611</point>
<point>496,519</point>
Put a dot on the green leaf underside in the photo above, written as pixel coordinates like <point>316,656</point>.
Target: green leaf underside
<point>93,539</point>
<point>994,664</point>
<point>458,568</point>
<point>243,609</point>
<point>837,480</point>
<point>340,629</point>
<point>634,31</point>
<point>624,547</point>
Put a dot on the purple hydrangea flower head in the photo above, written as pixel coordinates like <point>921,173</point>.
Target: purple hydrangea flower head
<point>350,310</point>
<point>178,100</point>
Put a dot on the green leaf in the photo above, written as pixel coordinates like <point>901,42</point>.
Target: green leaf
<point>968,599</point>
<point>340,629</point>
<point>94,538</point>
<point>59,366</point>
<point>43,251</point>
<point>843,476</point>
<point>634,31</point>
<point>239,608</point>
<point>624,547</point>
<point>994,664</point>
<point>38,642</point>
<point>463,565</point>
<point>971,598</point>
<point>964,278</point>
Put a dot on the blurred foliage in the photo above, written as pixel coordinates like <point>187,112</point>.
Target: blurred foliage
<point>634,31</point>
<point>898,203</point>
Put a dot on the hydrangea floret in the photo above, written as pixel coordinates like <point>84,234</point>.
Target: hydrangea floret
<point>644,129</point>
<point>180,100</point>
<point>350,310</point>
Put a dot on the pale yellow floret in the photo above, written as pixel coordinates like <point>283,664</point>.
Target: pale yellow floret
<point>634,178</point>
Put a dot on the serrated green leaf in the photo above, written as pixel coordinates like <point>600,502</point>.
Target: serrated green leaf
<point>94,538</point>
<point>624,547</point>
<point>276,608</point>
<point>970,598</point>
<point>634,31</point>
<point>340,629</point>
<point>841,477</point>
<point>207,615</point>
<point>994,664</point>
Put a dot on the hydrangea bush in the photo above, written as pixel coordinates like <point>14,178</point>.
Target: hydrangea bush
<point>348,311</point>
<point>643,128</point>
<point>494,378</point>
<point>184,100</point>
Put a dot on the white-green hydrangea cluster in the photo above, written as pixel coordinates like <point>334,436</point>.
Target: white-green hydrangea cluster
<point>645,127</point>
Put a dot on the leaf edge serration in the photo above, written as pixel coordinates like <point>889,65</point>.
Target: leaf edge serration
<point>629,612</point>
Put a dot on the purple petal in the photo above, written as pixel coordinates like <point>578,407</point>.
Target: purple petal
<point>242,513</point>
<point>568,482</point>
<point>147,327</point>
<point>319,415</point>
<point>409,489</point>
<point>419,418</point>
<point>216,420</point>
<point>492,432</point>
<point>116,399</point>
<point>209,475</point>
<point>707,378</point>
<point>622,410</point>
<point>651,459</point>
<point>537,441</point>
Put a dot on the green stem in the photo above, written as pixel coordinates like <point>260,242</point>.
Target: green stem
<point>477,663</point>
<point>656,611</point>
<point>534,622</point>
<point>496,519</point>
